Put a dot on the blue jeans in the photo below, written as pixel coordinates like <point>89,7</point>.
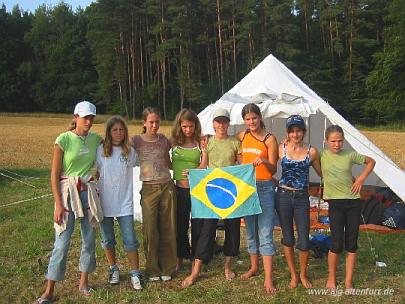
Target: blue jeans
<point>127,232</point>
<point>259,228</point>
<point>293,207</point>
<point>87,263</point>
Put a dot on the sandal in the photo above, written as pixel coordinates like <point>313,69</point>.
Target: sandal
<point>44,301</point>
<point>86,292</point>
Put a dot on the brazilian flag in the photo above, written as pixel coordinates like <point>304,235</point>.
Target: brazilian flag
<point>226,192</point>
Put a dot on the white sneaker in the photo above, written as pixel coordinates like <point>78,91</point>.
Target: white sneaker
<point>154,279</point>
<point>165,278</point>
<point>136,282</point>
<point>114,277</point>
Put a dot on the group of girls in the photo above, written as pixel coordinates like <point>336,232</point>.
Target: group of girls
<point>166,206</point>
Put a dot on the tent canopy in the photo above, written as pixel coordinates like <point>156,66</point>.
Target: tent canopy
<point>279,93</point>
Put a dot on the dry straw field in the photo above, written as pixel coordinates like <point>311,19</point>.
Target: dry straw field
<point>26,142</point>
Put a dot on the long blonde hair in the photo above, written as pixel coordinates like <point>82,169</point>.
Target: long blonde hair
<point>107,145</point>
<point>177,134</point>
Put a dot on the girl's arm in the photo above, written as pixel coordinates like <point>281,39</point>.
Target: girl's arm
<point>167,154</point>
<point>204,154</point>
<point>239,136</point>
<point>272,155</point>
<point>359,181</point>
<point>316,164</point>
<point>55,176</point>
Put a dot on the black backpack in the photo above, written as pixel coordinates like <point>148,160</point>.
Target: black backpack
<point>394,216</point>
<point>372,211</point>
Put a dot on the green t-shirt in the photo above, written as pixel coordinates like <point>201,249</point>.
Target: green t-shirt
<point>222,152</point>
<point>337,173</point>
<point>184,158</point>
<point>79,152</point>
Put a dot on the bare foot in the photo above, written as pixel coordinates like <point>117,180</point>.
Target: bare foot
<point>248,274</point>
<point>331,284</point>
<point>349,285</point>
<point>305,282</point>
<point>293,283</point>
<point>229,274</point>
<point>269,287</point>
<point>187,282</point>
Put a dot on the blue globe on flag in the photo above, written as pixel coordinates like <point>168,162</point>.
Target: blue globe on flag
<point>221,192</point>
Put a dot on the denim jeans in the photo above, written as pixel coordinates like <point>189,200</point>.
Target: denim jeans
<point>259,228</point>
<point>293,207</point>
<point>87,263</point>
<point>127,232</point>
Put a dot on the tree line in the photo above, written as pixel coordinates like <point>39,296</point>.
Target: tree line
<point>127,54</point>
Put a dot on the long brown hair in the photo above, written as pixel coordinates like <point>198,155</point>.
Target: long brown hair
<point>253,108</point>
<point>107,145</point>
<point>146,112</point>
<point>177,134</point>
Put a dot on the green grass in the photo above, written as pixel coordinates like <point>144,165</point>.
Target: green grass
<point>394,127</point>
<point>27,239</point>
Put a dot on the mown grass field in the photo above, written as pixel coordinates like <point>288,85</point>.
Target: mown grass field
<point>27,238</point>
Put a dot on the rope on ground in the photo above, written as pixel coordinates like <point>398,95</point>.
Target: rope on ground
<point>18,180</point>
<point>16,174</point>
<point>26,200</point>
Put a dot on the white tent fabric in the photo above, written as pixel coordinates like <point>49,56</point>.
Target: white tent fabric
<point>137,195</point>
<point>279,94</point>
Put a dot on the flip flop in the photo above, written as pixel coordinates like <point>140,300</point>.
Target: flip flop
<point>87,292</point>
<point>44,301</point>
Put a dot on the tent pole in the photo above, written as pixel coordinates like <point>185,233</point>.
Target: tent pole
<point>320,181</point>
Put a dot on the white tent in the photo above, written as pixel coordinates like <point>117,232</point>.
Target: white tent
<point>279,94</point>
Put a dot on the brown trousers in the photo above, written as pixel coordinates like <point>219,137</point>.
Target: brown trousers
<point>158,203</point>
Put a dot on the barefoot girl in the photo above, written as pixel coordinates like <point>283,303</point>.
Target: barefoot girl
<point>73,156</point>
<point>186,154</point>
<point>222,151</point>
<point>116,159</point>
<point>157,198</point>
<point>292,203</point>
<point>259,148</point>
<point>343,195</point>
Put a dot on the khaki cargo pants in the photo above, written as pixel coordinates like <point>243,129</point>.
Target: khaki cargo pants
<point>158,203</point>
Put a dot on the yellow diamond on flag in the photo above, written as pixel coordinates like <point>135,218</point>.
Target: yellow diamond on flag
<point>222,192</point>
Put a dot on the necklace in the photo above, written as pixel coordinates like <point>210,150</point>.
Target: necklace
<point>83,138</point>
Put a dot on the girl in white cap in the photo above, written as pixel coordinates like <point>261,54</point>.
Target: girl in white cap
<point>73,157</point>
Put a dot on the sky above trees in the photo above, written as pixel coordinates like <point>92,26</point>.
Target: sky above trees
<point>31,5</point>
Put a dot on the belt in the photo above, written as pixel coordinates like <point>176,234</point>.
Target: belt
<point>285,190</point>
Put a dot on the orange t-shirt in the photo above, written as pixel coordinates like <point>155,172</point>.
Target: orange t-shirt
<point>251,148</point>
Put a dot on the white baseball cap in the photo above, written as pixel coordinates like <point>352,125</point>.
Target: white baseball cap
<point>85,108</point>
<point>220,113</point>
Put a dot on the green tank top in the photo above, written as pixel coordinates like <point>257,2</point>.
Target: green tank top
<point>184,158</point>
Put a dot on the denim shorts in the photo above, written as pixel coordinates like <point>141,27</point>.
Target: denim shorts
<point>126,223</point>
<point>259,228</point>
<point>293,207</point>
